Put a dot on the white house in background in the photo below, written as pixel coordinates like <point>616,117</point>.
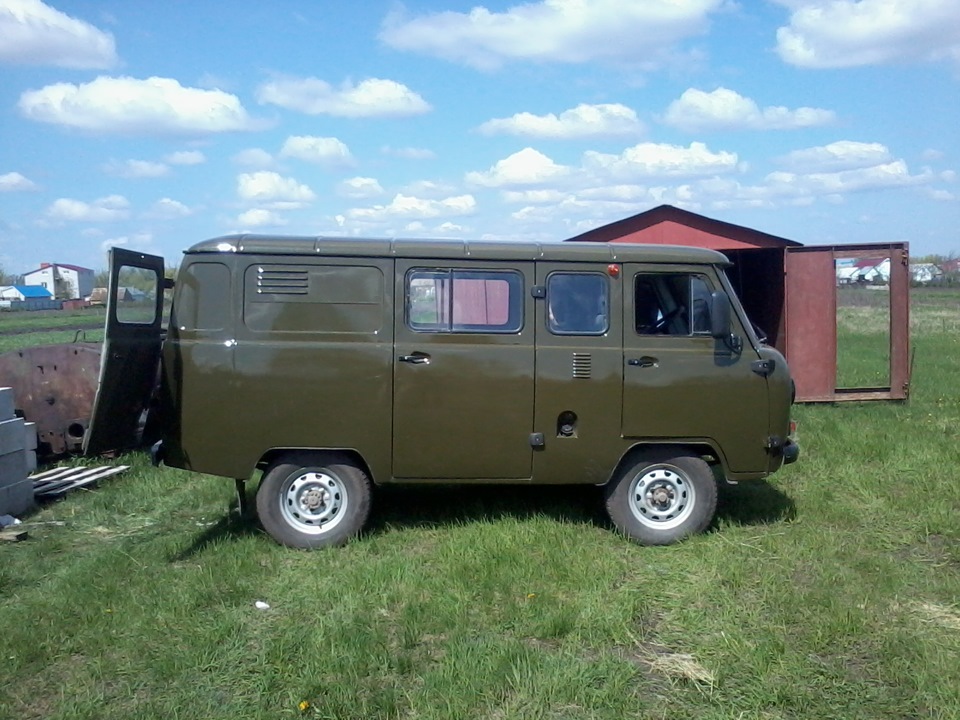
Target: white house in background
<point>925,272</point>
<point>65,282</point>
<point>868,270</point>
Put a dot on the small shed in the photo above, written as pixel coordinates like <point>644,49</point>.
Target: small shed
<point>24,292</point>
<point>789,291</point>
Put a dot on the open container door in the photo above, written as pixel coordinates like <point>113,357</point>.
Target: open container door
<point>864,356</point>
<point>131,351</point>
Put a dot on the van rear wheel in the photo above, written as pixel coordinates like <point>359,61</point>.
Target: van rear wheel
<point>313,500</point>
<point>663,497</point>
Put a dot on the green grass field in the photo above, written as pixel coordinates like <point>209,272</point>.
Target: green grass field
<point>830,591</point>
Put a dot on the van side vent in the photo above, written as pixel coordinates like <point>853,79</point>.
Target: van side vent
<point>582,365</point>
<point>282,282</point>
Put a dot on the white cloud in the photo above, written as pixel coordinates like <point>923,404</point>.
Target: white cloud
<point>851,33</point>
<point>526,167</point>
<point>428,188</point>
<point>660,160</point>
<point>142,241</point>
<point>155,106</point>
<point>409,153</point>
<point>942,195</point>
<point>533,196</point>
<point>133,169</point>
<point>254,157</point>
<point>449,227</point>
<point>168,209</point>
<point>327,151</point>
<point>186,157</point>
<point>370,98</point>
<point>359,187</point>
<point>549,31</point>
<point>583,121</point>
<point>725,109</point>
<point>105,209</point>
<point>270,187</point>
<point>258,217</point>
<point>840,155</point>
<point>406,206</point>
<point>887,175</point>
<point>36,34</point>
<point>15,182</point>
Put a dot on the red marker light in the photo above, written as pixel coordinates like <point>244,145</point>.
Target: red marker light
<point>613,270</point>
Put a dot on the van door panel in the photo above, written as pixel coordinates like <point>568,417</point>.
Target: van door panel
<point>462,394</point>
<point>691,385</point>
<point>579,377</point>
<point>131,351</point>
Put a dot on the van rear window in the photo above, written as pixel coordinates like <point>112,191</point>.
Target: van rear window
<point>469,301</point>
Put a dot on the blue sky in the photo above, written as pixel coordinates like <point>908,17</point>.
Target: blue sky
<point>153,125</point>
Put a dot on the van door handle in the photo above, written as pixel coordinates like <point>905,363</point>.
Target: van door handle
<point>645,361</point>
<point>415,359</point>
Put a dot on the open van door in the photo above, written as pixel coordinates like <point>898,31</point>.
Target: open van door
<point>131,351</point>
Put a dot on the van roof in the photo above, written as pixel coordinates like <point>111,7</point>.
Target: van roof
<point>454,249</point>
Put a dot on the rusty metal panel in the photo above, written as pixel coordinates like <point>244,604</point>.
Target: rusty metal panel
<point>899,322</point>
<point>811,322</point>
<point>54,387</point>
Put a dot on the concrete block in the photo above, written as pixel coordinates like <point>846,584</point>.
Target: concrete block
<point>6,403</point>
<point>31,429</point>
<point>13,436</point>
<point>17,499</point>
<point>13,468</point>
<point>16,490</point>
<point>31,461</point>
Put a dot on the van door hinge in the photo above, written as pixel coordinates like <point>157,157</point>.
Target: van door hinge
<point>537,440</point>
<point>773,443</point>
<point>538,291</point>
<point>763,367</point>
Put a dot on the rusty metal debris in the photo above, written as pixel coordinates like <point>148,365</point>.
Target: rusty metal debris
<point>54,386</point>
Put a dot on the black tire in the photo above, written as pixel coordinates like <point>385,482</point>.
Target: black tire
<point>313,500</point>
<point>663,497</point>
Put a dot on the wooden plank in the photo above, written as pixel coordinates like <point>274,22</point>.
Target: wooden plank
<point>12,535</point>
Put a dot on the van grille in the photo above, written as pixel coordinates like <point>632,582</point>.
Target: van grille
<point>282,282</point>
<point>582,365</point>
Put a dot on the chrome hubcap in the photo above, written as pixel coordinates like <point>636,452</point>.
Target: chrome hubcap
<point>314,502</point>
<point>661,497</point>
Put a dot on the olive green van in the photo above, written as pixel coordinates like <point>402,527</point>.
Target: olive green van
<point>335,365</point>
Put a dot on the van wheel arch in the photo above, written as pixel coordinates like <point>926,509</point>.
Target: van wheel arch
<point>710,455</point>
<point>271,456</point>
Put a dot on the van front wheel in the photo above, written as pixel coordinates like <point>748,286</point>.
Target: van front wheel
<point>663,497</point>
<point>313,500</point>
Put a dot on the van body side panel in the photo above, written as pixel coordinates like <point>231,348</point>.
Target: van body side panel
<point>463,371</point>
<point>691,385</point>
<point>198,383</point>
<point>309,367</point>
<point>579,379</point>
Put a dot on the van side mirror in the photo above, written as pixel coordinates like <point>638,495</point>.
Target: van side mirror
<point>719,315</point>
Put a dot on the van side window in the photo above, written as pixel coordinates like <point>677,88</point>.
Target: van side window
<point>577,303</point>
<point>470,301</point>
<point>671,304</point>
<point>137,290</point>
